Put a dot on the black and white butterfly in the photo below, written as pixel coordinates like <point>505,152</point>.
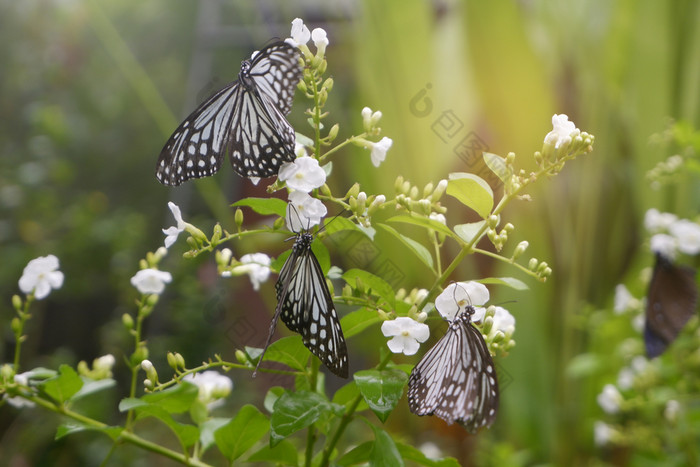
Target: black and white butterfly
<point>306,306</point>
<point>671,302</point>
<point>245,119</point>
<point>456,379</point>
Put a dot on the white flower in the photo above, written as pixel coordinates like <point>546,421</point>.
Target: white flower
<point>213,387</point>
<point>562,131</point>
<point>17,401</point>
<point>104,363</point>
<point>624,300</point>
<point>379,199</point>
<point>257,266</point>
<point>320,39</point>
<point>503,322</point>
<point>40,276</point>
<point>602,433</point>
<point>436,216</point>
<point>671,411</point>
<point>458,295</point>
<point>379,150</point>
<point>303,211</point>
<point>304,174</point>
<point>687,234</point>
<point>151,281</point>
<point>172,232</point>
<point>610,399</point>
<point>664,244</point>
<point>406,334</point>
<point>300,33</point>
<point>430,450</point>
<point>655,221</point>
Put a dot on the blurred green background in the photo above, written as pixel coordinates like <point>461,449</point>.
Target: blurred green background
<point>90,91</point>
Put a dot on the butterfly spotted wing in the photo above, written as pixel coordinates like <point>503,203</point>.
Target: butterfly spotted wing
<point>305,305</point>
<point>671,302</point>
<point>456,379</point>
<point>245,119</point>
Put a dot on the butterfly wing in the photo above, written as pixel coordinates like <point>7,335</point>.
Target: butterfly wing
<point>671,302</point>
<point>276,71</point>
<point>307,307</point>
<point>456,379</point>
<point>261,139</point>
<point>197,148</point>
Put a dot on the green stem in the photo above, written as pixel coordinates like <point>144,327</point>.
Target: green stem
<point>341,145</point>
<point>19,338</point>
<point>493,255</point>
<point>348,417</point>
<point>125,436</point>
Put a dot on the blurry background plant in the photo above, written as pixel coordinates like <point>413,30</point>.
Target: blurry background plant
<point>91,91</point>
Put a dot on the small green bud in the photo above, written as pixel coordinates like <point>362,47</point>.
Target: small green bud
<point>509,227</point>
<point>520,249</point>
<point>140,354</point>
<point>82,368</point>
<point>17,302</point>
<point>322,67</point>
<point>196,233</point>
<point>532,265</point>
<point>413,192</point>
<point>538,158</point>
<point>353,204</point>
<point>192,243</point>
<point>143,264</point>
<point>439,190</point>
<point>333,132</point>
<point>302,86</point>
<point>328,84</point>
<point>498,337</point>
<point>427,190</point>
<point>325,190</point>
<point>398,184</point>
<point>542,266</point>
<point>151,300</point>
<point>7,372</point>
<point>16,326</point>
<point>510,158</point>
<point>148,384</point>
<point>172,361</point>
<point>216,235</point>
<point>128,321</point>
<point>401,294</point>
<point>353,191</point>
<point>347,291</point>
<point>242,357</point>
<point>492,221</point>
<point>279,223</point>
<point>546,272</point>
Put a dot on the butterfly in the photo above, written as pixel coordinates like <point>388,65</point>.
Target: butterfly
<point>456,379</point>
<point>671,302</point>
<point>306,306</point>
<point>245,119</point>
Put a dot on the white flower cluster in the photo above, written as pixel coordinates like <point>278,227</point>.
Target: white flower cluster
<point>213,387</point>
<point>563,132</point>
<point>407,333</point>
<point>671,234</point>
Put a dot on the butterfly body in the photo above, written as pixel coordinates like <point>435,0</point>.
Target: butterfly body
<point>456,379</point>
<point>671,302</point>
<point>305,305</point>
<point>245,119</point>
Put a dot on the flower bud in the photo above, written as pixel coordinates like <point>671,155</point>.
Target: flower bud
<point>128,321</point>
<point>398,184</point>
<point>238,218</point>
<point>7,372</point>
<point>532,265</point>
<point>172,361</point>
<point>148,384</point>
<point>17,302</point>
<point>333,132</point>
<point>216,235</point>
<point>413,192</point>
<point>510,158</point>
<point>520,249</point>
<point>492,221</point>
<point>427,190</point>
<point>439,190</point>
<point>16,325</point>
<point>242,357</point>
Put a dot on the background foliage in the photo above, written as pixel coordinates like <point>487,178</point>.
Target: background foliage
<point>91,90</point>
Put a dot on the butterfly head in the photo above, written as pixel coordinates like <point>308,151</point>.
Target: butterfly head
<point>465,309</point>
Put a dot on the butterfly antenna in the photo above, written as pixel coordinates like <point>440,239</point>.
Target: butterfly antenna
<point>273,325</point>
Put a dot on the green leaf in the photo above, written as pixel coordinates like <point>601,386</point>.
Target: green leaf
<point>412,453</point>
<point>423,221</point>
<point>240,434</point>
<point>339,224</point>
<point>186,434</point>
<point>207,429</point>
<point>289,350</point>
<point>384,451</point>
<point>511,282</point>
<point>347,394</point>
<point>357,321</point>
<point>62,387</point>
<point>322,255</point>
<point>420,251</point>
<point>264,206</point>
<point>472,191</point>
<point>271,397</point>
<point>358,455</point>
<point>284,453</point>
<point>497,164</point>
<point>376,283</point>
<point>295,411</point>
<point>467,232</point>
<point>381,389</point>
<point>91,386</point>
<point>76,427</point>
<point>177,399</point>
